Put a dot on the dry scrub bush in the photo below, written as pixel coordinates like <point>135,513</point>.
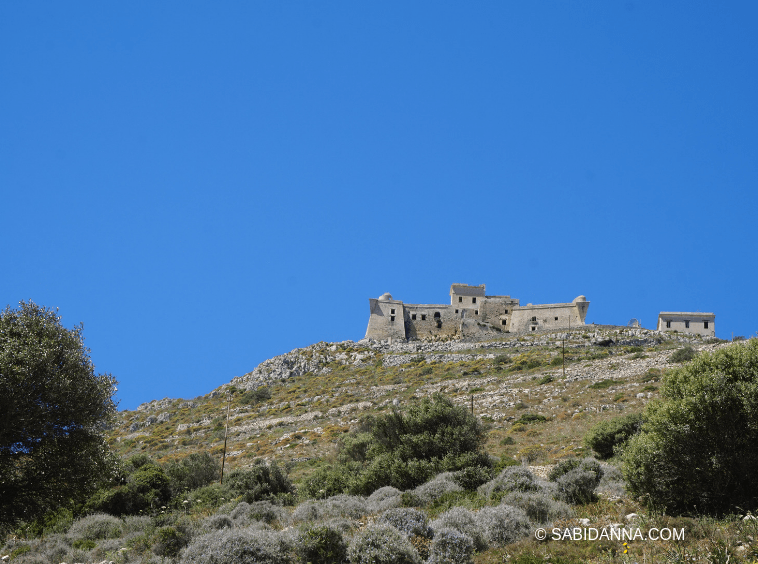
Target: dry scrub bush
<point>451,547</point>
<point>464,521</point>
<point>382,544</point>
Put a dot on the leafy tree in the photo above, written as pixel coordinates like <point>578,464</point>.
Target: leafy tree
<point>697,448</point>
<point>54,408</point>
<point>406,450</point>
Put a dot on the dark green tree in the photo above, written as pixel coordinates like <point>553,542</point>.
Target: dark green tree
<point>405,450</point>
<point>697,448</point>
<point>53,409</point>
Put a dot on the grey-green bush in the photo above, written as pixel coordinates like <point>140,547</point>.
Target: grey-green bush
<point>512,479</point>
<point>96,527</point>
<point>697,445</point>
<point>384,498</point>
<point>436,488</point>
<point>462,520</point>
<point>451,547</point>
<point>538,506</point>
<point>578,486</point>
<point>237,546</point>
<point>503,524</point>
<point>409,521</point>
<point>217,522</point>
<point>382,544</point>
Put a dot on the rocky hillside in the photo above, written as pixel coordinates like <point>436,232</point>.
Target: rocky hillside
<point>294,407</point>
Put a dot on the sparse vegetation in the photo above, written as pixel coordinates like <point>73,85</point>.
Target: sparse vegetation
<point>317,442</point>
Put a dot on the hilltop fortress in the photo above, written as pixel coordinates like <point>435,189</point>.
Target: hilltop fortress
<point>470,311</point>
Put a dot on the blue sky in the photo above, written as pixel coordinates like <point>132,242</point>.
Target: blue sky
<point>207,185</point>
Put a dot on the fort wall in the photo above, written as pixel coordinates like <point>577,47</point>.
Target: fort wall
<point>470,309</point>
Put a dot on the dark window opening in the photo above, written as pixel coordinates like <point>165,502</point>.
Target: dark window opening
<point>502,322</point>
<point>534,319</point>
<point>460,299</point>
<point>413,316</point>
<point>556,319</point>
<point>686,324</point>
<point>506,311</point>
<point>436,315</point>
<point>456,311</point>
<point>476,312</point>
<point>668,325</point>
<point>473,300</point>
<point>392,311</point>
<point>392,318</point>
<point>423,317</point>
<point>705,325</point>
<point>532,328</point>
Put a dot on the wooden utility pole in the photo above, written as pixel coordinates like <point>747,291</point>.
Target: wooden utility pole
<point>226,434</point>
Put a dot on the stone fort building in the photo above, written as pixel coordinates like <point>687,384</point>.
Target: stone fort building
<point>470,311</point>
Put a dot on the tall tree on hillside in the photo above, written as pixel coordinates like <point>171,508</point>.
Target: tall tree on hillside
<point>53,409</point>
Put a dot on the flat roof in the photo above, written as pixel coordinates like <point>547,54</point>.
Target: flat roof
<point>691,313</point>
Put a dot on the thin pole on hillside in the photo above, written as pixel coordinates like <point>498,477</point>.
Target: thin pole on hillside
<point>226,434</point>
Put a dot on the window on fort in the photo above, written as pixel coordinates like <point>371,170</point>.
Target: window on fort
<point>423,317</point>
<point>556,319</point>
<point>413,316</point>
<point>460,299</point>
<point>534,319</point>
<point>532,328</point>
<point>668,325</point>
<point>392,318</point>
<point>436,315</point>
<point>392,311</point>
<point>686,324</point>
<point>502,322</point>
<point>456,311</point>
<point>705,325</point>
<point>473,300</point>
<point>476,312</point>
<point>506,311</point>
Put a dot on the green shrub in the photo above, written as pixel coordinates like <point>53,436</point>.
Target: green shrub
<point>252,397</point>
<point>261,482</point>
<point>606,436</point>
<point>501,359</point>
<point>84,544</point>
<point>327,481</point>
<point>193,471</point>
<point>548,379</point>
<point>169,541</point>
<point>382,544</point>
<point>697,445</point>
<point>685,354</point>
<point>527,418</point>
<point>404,450</point>
<point>320,544</point>
<point>472,477</point>
<point>604,384</point>
<point>507,441</point>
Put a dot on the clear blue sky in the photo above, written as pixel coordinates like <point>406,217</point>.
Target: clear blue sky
<point>207,185</point>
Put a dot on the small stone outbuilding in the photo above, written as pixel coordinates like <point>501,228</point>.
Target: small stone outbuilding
<point>695,323</point>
